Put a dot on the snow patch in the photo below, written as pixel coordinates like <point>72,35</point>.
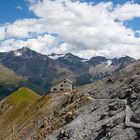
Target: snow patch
<point>66,57</point>
<point>16,53</point>
<point>55,56</point>
<point>109,62</point>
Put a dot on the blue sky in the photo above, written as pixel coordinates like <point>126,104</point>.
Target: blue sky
<point>86,28</point>
<point>9,11</point>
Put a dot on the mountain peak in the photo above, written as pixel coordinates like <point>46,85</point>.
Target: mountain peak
<point>97,60</point>
<point>102,58</point>
<point>25,52</point>
<point>72,56</point>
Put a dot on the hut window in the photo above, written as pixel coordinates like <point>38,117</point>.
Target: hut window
<point>61,89</point>
<point>54,89</point>
<point>61,85</point>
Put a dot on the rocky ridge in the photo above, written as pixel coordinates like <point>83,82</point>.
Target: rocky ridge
<point>113,113</point>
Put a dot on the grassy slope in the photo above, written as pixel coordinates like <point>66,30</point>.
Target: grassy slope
<point>23,94</point>
<point>8,77</point>
<point>26,118</point>
<point>9,81</point>
<point>13,107</point>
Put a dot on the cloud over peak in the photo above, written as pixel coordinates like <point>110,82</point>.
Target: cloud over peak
<point>82,28</point>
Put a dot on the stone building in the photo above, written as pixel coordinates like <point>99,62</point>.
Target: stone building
<point>64,85</point>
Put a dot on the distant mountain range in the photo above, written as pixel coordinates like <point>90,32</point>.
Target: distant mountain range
<point>41,71</point>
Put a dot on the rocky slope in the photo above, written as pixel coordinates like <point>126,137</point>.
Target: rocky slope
<point>43,70</point>
<point>114,113</point>
<point>105,110</point>
<point>25,119</point>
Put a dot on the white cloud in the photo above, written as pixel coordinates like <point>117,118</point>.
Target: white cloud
<point>138,32</point>
<point>2,33</point>
<point>21,28</point>
<point>85,29</point>
<point>40,44</point>
<point>19,8</point>
<point>128,11</point>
